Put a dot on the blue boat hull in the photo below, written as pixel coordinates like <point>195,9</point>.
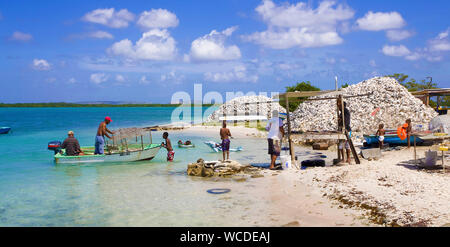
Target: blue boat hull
<point>4,130</point>
<point>391,139</point>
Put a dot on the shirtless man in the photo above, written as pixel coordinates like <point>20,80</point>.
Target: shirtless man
<point>224,134</point>
<point>101,133</point>
<point>168,146</point>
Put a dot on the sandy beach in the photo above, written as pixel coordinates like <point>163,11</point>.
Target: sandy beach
<point>390,191</point>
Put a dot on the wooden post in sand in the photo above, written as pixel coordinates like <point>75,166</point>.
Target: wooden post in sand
<point>337,146</point>
<point>247,122</point>
<point>235,113</point>
<point>291,147</point>
<point>258,122</point>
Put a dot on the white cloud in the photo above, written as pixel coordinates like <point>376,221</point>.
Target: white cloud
<point>294,37</point>
<point>300,25</point>
<point>144,80</point>
<point>397,35</point>
<point>157,18</point>
<point>51,80</point>
<point>155,44</point>
<point>100,35</point>
<point>172,77</point>
<point>433,52</point>
<point>330,60</point>
<point>323,18</point>
<point>98,78</point>
<point>72,80</point>
<point>396,51</point>
<point>237,74</point>
<point>41,64</point>
<point>19,36</point>
<point>120,78</point>
<point>110,17</point>
<point>380,21</point>
<point>212,47</point>
<point>441,42</point>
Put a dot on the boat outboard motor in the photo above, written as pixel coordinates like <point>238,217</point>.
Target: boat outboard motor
<point>55,146</point>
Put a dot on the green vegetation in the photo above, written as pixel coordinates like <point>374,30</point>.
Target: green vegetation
<point>345,85</point>
<point>300,86</point>
<point>412,85</point>
<point>63,104</point>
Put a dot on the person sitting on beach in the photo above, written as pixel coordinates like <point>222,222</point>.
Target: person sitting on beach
<point>102,131</point>
<point>168,146</point>
<point>380,134</point>
<point>71,145</point>
<point>348,129</point>
<point>276,131</point>
<point>224,134</point>
<point>407,127</point>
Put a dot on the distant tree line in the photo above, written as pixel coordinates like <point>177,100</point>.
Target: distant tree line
<point>64,104</point>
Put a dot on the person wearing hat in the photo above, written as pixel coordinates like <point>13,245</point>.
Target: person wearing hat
<point>100,137</point>
<point>71,145</point>
<point>276,133</point>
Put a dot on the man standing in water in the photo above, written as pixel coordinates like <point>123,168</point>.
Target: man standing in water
<point>102,131</point>
<point>224,134</point>
<point>168,146</point>
<point>276,131</point>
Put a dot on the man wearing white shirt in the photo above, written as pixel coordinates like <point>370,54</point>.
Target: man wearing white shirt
<point>276,131</point>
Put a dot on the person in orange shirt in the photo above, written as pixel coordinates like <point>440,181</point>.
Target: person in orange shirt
<point>407,127</point>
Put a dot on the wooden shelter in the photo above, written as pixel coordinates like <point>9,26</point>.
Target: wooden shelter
<point>338,135</point>
<point>426,94</point>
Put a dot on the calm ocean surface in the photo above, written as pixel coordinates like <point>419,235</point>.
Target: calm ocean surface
<point>34,191</point>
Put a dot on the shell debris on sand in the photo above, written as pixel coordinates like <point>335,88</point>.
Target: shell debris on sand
<point>240,104</point>
<point>390,102</point>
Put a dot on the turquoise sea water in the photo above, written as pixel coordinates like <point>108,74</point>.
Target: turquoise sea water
<point>34,191</point>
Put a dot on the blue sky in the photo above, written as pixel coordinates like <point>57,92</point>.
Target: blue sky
<point>144,51</point>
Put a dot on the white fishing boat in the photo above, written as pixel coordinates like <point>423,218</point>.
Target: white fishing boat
<point>127,145</point>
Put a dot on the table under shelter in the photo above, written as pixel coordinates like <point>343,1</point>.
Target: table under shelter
<point>340,134</point>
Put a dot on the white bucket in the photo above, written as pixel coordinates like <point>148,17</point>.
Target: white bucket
<point>286,162</point>
<point>430,158</point>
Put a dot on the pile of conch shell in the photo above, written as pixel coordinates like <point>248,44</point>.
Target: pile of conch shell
<point>264,108</point>
<point>388,103</point>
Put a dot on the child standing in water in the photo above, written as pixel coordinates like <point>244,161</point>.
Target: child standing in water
<point>380,134</point>
<point>168,146</point>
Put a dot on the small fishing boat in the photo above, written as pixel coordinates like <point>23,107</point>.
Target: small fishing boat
<point>216,147</point>
<point>390,137</point>
<point>4,130</point>
<point>133,154</point>
<point>127,146</point>
<point>186,146</point>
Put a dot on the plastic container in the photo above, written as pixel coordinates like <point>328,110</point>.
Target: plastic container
<point>286,162</point>
<point>430,158</point>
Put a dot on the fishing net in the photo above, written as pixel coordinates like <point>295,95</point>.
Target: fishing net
<point>129,139</point>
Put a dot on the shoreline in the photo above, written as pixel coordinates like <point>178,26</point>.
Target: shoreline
<point>390,191</point>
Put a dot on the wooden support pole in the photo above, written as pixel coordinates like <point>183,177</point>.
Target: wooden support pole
<point>415,154</point>
<point>235,113</point>
<point>291,147</point>
<point>151,141</point>
<point>142,143</point>
<point>247,109</point>
<point>258,122</point>
<point>337,146</point>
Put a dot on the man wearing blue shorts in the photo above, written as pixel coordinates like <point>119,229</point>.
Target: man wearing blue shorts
<point>102,131</point>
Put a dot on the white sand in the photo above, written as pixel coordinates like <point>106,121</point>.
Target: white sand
<point>389,191</point>
<point>393,185</point>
